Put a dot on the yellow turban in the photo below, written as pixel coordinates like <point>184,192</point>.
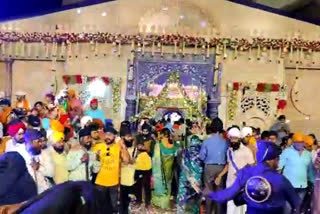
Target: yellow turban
<point>56,137</point>
<point>308,140</point>
<point>56,126</point>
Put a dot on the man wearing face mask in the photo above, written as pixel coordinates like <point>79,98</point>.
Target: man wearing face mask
<point>31,151</point>
<point>238,156</point>
<point>81,161</point>
<point>59,157</point>
<point>146,138</point>
<point>111,153</point>
<point>127,170</point>
<point>296,163</point>
<point>96,133</point>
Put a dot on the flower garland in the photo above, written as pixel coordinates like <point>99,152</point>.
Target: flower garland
<point>232,105</point>
<point>179,41</point>
<point>78,79</point>
<point>116,94</point>
<point>260,87</point>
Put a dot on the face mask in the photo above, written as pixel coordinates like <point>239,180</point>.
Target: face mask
<point>34,151</point>
<point>298,146</point>
<point>58,150</point>
<point>128,143</point>
<point>235,145</point>
<point>21,141</point>
<point>109,141</point>
<point>88,145</point>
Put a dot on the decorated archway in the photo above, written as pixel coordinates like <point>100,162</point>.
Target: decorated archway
<point>157,83</point>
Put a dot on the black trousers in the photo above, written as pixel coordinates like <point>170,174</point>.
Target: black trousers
<point>143,183</point>
<point>125,191</point>
<point>111,195</point>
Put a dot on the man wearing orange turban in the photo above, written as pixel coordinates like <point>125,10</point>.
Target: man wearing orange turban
<point>74,104</point>
<point>308,140</point>
<point>22,101</point>
<point>295,162</point>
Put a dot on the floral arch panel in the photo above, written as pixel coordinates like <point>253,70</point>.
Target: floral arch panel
<point>146,68</point>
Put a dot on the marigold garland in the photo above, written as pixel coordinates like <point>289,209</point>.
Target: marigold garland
<point>241,44</point>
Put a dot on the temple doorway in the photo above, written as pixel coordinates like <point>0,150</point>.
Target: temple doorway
<point>182,85</point>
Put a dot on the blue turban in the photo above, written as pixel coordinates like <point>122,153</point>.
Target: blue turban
<point>267,151</point>
<point>34,121</point>
<point>32,134</point>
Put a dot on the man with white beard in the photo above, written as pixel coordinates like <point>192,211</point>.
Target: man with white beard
<point>238,156</point>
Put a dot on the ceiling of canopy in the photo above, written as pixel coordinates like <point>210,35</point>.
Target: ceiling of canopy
<point>191,17</point>
<point>17,9</point>
<point>305,10</point>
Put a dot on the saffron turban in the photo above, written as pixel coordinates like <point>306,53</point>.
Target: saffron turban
<point>71,93</point>
<point>13,129</point>
<point>308,140</point>
<point>297,137</point>
<point>56,126</point>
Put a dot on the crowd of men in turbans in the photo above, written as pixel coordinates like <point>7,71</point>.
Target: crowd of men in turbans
<point>56,147</point>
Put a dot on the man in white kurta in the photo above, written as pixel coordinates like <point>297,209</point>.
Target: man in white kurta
<point>241,156</point>
<point>38,164</point>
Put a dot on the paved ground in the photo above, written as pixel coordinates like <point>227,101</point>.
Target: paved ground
<point>153,210</point>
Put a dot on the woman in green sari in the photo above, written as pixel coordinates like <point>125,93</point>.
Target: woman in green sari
<point>162,169</point>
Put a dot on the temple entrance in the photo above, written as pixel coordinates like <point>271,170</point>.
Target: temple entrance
<point>158,85</point>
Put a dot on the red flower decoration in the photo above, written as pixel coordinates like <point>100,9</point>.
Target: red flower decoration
<point>106,80</point>
<point>78,79</point>
<point>236,86</point>
<point>275,87</point>
<point>282,104</point>
<point>261,87</point>
<point>66,79</point>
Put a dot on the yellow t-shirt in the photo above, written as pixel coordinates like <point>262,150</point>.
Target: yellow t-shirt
<point>127,170</point>
<point>110,164</point>
<point>143,161</point>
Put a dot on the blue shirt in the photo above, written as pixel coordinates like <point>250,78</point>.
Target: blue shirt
<point>282,191</point>
<point>96,114</point>
<point>214,150</point>
<point>296,167</point>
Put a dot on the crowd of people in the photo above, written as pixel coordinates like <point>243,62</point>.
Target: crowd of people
<point>179,166</point>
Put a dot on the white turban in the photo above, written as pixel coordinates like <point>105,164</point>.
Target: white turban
<point>21,93</point>
<point>246,131</point>
<point>234,132</point>
<point>84,120</point>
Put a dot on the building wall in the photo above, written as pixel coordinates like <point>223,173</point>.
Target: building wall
<point>2,76</point>
<point>36,77</point>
